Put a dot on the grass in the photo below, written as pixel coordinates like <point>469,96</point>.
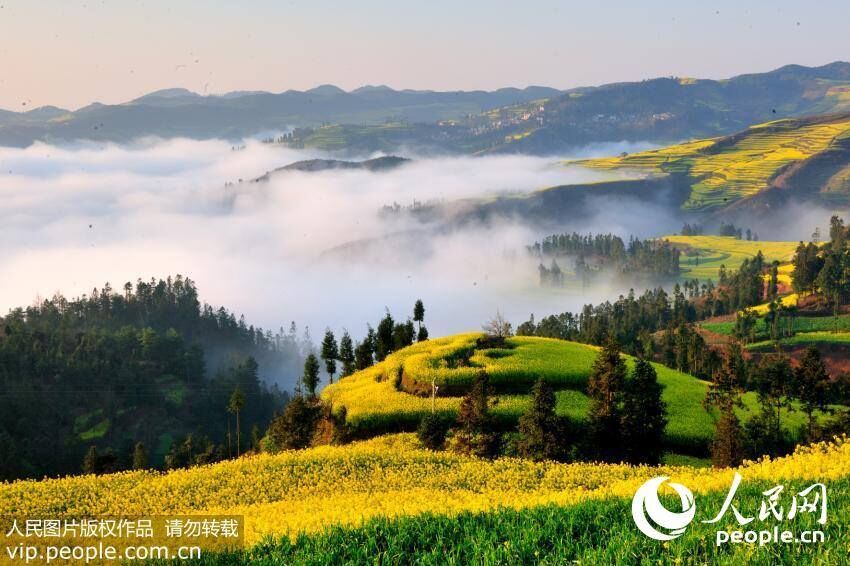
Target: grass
<point>97,431</point>
<point>595,531</point>
<point>800,324</point>
<point>721,171</point>
<point>805,339</point>
<point>703,255</point>
<point>374,403</point>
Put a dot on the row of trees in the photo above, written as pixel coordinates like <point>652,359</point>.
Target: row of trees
<point>631,319</point>
<point>626,420</point>
<point>604,253</point>
<point>825,269</point>
<point>781,389</point>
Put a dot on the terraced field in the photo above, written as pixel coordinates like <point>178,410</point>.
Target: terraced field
<point>805,339</point>
<point>703,255</point>
<point>721,171</point>
<point>383,399</point>
<point>800,324</point>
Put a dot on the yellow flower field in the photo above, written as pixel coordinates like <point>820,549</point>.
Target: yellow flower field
<point>305,491</point>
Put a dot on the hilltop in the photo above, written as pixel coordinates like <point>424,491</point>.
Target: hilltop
<point>764,166</point>
<point>393,395</point>
<point>533,120</point>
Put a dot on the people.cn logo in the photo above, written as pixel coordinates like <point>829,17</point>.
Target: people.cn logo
<point>651,517</point>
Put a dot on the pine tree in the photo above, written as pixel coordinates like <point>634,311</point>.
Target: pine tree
<point>140,457</point>
<point>605,389</point>
<point>364,353</point>
<point>310,378</point>
<point>294,429</point>
<point>419,313</point>
<point>727,448</point>
<point>330,353</point>
<point>346,354</point>
<point>812,385</point>
<point>235,406</point>
<point>644,415</point>
<point>90,462</point>
<point>475,433</point>
<point>540,429</point>
<point>724,394</point>
<point>384,337</point>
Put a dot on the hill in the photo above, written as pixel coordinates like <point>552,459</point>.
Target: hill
<point>760,167</point>
<point>388,495</point>
<point>702,256</point>
<point>534,120</point>
<point>151,365</point>
<point>182,113</point>
<point>383,163</point>
<point>393,395</point>
<point>668,109</point>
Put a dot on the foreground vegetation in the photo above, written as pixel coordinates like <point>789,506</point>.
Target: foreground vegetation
<point>392,476</point>
<point>590,532</point>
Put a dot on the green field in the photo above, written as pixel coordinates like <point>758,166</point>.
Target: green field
<point>799,324</point>
<point>592,532</point>
<point>375,400</point>
<point>805,339</point>
<point>702,256</point>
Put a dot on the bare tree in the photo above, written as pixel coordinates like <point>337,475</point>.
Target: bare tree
<point>498,327</point>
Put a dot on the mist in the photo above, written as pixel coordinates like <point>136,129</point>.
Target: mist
<point>310,247</point>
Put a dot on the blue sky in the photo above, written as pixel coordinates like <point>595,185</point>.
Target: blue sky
<point>71,52</point>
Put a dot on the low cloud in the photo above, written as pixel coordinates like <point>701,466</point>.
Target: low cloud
<point>77,216</point>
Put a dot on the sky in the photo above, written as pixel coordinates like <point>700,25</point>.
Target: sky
<point>70,53</point>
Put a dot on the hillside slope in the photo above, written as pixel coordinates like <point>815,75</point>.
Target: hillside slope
<point>760,167</point>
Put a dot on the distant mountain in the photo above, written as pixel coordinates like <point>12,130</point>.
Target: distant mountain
<point>665,109</point>
<point>180,112</point>
<point>533,120</point>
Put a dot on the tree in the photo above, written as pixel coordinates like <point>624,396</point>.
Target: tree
<point>812,385</point>
<point>422,335</point>
<point>644,415</point>
<point>476,433</point>
<point>605,389</point>
<point>330,353</point>
<point>346,354</point>
<point>310,378</point>
<point>773,283</point>
<point>235,406</point>
<point>294,429</point>
<point>773,381</point>
<point>90,461</point>
<point>140,457</point>
<point>724,394</point>
<point>364,352</point>
<point>432,431</point>
<point>384,337</point>
<point>540,429</point>
<point>419,313</point>
<point>498,327</point>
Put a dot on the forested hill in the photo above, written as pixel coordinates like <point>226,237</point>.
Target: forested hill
<point>149,364</point>
<point>659,110</point>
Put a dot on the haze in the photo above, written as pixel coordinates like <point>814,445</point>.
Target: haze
<point>70,54</point>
